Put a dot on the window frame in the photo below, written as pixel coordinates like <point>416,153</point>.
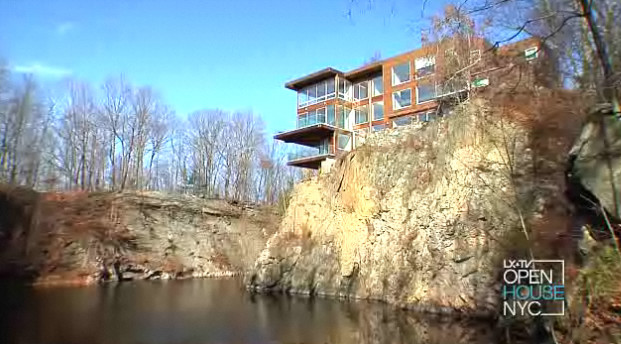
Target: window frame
<point>374,127</point>
<point>392,73</point>
<point>338,141</point>
<point>395,102</point>
<point>381,78</point>
<point>358,87</point>
<point>416,69</point>
<point>317,99</point>
<point>381,102</point>
<point>433,86</point>
<point>395,120</point>
<point>357,111</point>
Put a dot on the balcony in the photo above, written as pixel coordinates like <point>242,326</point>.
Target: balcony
<point>310,157</point>
<point>312,129</point>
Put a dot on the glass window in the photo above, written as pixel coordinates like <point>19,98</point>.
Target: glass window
<point>425,92</point>
<point>324,147</point>
<point>401,73</point>
<point>321,90</point>
<point>344,89</point>
<point>425,66</point>
<point>321,115</point>
<point>401,99</point>
<point>401,121</point>
<point>362,114</point>
<point>379,127</point>
<point>302,97</point>
<point>302,121</point>
<point>331,115</point>
<point>378,111</point>
<point>343,116</point>
<point>361,90</point>
<point>312,93</point>
<point>330,86</point>
<point>364,89</point>
<point>343,141</point>
<point>378,86</point>
<point>311,117</point>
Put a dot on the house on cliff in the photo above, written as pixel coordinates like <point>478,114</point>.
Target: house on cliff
<point>336,110</point>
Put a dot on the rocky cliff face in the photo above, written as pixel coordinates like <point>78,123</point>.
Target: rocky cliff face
<point>419,216</point>
<point>596,162</point>
<point>84,238</point>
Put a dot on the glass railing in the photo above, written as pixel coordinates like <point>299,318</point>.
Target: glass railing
<point>315,118</point>
<point>306,152</point>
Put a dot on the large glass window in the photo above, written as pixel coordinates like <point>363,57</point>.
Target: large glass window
<point>343,116</point>
<point>378,111</point>
<point>331,115</point>
<point>401,73</point>
<point>361,90</point>
<point>316,93</point>
<point>425,92</point>
<point>379,127</point>
<point>343,141</point>
<point>312,95</point>
<point>425,66</point>
<point>324,147</point>
<point>321,91</point>
<point>344,89</point>
<point>321,115</point>
<point>378,85</point>
<point>302,97</point>
<point>330,87</point>
<point>427,116</point>
<point>302,120</point>
<point>401,121</point>
<point>362,114</point>
<point>401,99</point>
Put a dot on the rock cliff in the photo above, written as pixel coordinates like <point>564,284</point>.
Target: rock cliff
<point>63,238</point>
<point>422,216</point>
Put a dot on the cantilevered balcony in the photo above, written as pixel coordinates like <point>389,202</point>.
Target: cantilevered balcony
<point>311,130</point>
<point>311,157</point>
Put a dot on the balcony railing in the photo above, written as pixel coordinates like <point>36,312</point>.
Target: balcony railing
<point>307,152</point>
<point>314,118</point>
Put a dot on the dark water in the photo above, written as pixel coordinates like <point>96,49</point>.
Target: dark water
<point>209,311</point>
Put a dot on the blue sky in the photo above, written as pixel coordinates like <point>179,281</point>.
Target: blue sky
<point>233,55</point>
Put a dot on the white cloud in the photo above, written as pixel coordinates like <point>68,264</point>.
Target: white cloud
<point>64,27</point>
<point>41,70</point>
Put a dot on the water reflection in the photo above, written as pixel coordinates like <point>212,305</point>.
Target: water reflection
<point>209,311</point>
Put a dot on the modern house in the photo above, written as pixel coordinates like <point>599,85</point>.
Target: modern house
<point>336,110</point>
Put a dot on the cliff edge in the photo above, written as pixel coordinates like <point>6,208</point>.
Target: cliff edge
<point>422,216</point>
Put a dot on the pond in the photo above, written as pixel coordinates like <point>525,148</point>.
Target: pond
<point>217,311</point>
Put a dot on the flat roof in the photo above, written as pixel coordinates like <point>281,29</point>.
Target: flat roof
<point>374,67</point>
<point>308,136</point>
<point>365,70</point>
<point>312,78</point>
